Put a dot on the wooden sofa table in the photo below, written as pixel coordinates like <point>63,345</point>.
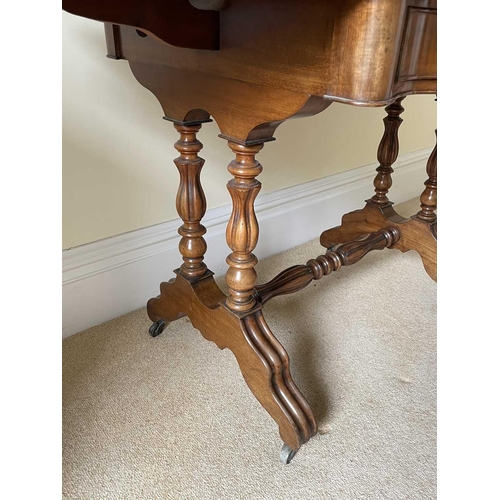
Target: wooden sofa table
<point>251,65</point>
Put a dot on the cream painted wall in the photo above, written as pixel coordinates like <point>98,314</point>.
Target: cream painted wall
<point>118,173</point>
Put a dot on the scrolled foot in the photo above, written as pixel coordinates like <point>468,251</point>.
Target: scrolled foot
<point>157,327</point>
<point>287,454</point>
<point>263,361</point>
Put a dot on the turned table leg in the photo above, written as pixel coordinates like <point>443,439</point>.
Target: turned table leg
<point>295,418</point>
<point>242,229</point>
<point>378,207</point>
<point>190,202</point>
<point>191,207</point>
<point>388,151</point>
<point>428,199</point>
<point>235,321</point>
<point>418,233</point>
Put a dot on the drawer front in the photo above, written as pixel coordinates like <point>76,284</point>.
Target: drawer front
<point>418,54</point>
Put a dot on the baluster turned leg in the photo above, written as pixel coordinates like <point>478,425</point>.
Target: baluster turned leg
<point>190,203</point>
<point>428,199</point>
<point>236,321</point>
<point>295,418</point>
<point>242,230</point>
<point>387,153</point>
<point>377,209</point>
<point>378,213</point>
<point>191,207</point>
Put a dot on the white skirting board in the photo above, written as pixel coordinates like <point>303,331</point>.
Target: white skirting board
<point>111,277</point>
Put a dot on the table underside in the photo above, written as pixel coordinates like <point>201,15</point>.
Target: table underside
<point>273,59</point>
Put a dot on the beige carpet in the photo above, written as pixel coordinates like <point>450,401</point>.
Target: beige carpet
<point>171,417</point>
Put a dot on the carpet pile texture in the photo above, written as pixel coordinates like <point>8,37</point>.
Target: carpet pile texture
<point>172,418</point>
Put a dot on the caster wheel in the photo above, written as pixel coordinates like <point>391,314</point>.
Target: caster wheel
<point>157,327</point>
<point>286,454</point>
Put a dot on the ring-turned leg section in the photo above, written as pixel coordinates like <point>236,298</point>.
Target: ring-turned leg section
<point>242,230</point>
<point>297,277</point>
<point>296,420</point>
<point>418,233</point>
<point>387,153</point>
<point>191,207</point>
<point>428,199</point>
<point>190,202</point>
<point>378,208</point>
<point>236,321</point>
